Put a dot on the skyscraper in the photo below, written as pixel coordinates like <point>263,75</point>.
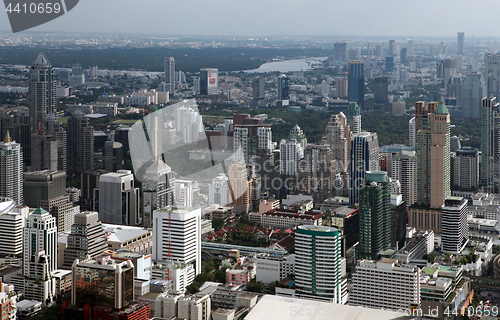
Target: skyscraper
<point>283,88</point>
<point>403,56</point>
<point>317,172</point>
<point>364,157</point>
<point>43,152</point>
<point>338,136</point>
<point>42,91</point>
<point>374,215</point>
<point>490,144</point>
<point>258,88</point>
<point>412,132</point>
<point>392,46</point>
<point>474,90</point>
<point>380,94</point>
<point>317,264</point>
<point>492,74</point>
<point>209,81</point>
<point>455,234</point>
<point>54,127</point>
<point>450,69</point>
<point>411,46</point>
<point>169,67</point>
<point>466,168</point>
<point>341,86</point>
<point>404,169</point>
<point>353,114</point>
<point>11,170</point>
<point>356,82</point>
<point>290,154</point>
<point>340,51</point>
<point>460,42</point>
<point>80,143</point>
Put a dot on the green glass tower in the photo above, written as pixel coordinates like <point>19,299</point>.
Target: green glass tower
<point>375,215</point>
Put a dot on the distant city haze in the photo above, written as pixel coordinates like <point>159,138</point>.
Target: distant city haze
<point>266,18</point>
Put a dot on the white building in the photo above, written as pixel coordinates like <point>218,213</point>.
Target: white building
<point>188,124</point>
<point>116,200</point>
<point>177,236</point>
<point>12,222</point>
<point>455,231</point>
<point>286,218</point>
<point>11,170</point>
<point>290,154</point>
<point>411,132</point>
<point>141,98</point>
<point>219,190</point>
<point>404,168</point>
<point>466,165</point>
<point>274,267</point>
<point>385,284</point>
<point>184,193</point>
<point>180,275</point>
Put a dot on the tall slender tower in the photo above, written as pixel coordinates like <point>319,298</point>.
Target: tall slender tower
<point>364,157</point>
<point>490,144</point>
<point>42,91</point>
<point>11,170</point>
<point>338,136</point>
<point>460,42</point>
<point>492,74</point>
<point>80,143</point>
<point>356,86</point>
<point>170,73</point>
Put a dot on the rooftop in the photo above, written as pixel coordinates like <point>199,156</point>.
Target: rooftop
<point>121,233</point>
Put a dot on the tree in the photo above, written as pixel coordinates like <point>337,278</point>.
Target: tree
<point>218,223</point>
<point>257,287</point>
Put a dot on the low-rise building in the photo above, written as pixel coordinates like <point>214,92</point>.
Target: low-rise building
<point>121,237</point>
<point>286,218</point>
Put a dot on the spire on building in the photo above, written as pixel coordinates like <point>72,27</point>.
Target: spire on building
<point>7,138</point>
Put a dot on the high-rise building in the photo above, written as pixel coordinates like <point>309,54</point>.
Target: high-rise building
<point>340,51</point>
<point>466,165</point>
<point>11,170</point>
<point>392,48</point>
<point>80,143</point>
<point>353,114</point>
<point>374,215</point>
<point>389,64</point>
<point>380,94</point>
<point>113,156</point>
<point>403,56</point>
<point>455,234</point>
<point>374,285</point>
<point>44,152</point>
<point>399,107</point>
<point>209,81</point>
<point>12,221</point>
<point>341,88</point>
<point>117,200</point>
<point>169,68</point>
<point>283,88</point>
<point>338,136</point>
<point>490,144</point>
<point>22,133</point>
<point>411,132</point>
<point>378,51</point>
<point>42,91</point>
<point>258,85</point>
<point>89,182</point>
<point>177,237</point>
<point>460,42</point>
<point>318,264</point>
<point>241,186</point>
<point>492,74</point>
<point>356,82</point>
<point>54,127</point>
<point>450,69</point>
<point>411,46</point>
<point>474,90</point>
<point>317,172</point>
<point>364,157</point>
<point>290,154</point>
<point>87,238</point>
<point>404,169</point>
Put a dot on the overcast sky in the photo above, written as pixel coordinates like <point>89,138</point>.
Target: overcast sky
<point>273,17</point>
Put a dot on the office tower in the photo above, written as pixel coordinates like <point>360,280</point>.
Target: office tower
<point>380,94</point>
<point>356,82</point>
<point>317,172</point>
<point>340,51</point>
<point>113,156</point>
<point>374,215</point>
<point>411,46</point>
<point>11,170</point>
<point>117,200</point>
<point>241,186</point>
<point>341,86</point>
<point>93,72</point>
<point>490,147</point>
<point>180,77</point>
<point>169,68</point>
<point>291,152</point>
<point>22,133</point>
<point>391,49</point>
<point>283,88</point>
<point>364,157</point>
<point>450,69</point>
<point>378,52</point>
<point>188,125</point>
<point>317,264</point>
<point>474,90</point>
<point>42,91</point>
<point>455,144</point>
<point>455,234</point>
<point>492,74</point>
<point>40,250</point>
<point>177,237</point>
<point>44,152</point>
<point>374,285</point>
<point>433,150</point>
<point>89,182</point>
<point>54,128</point>
<point>404,169</point>
<point>87,238</point>
<point>218,192</point>
<point>411,132</point>
<point>209,82</point>
<point>466,168</point>
<point>252,135</point>
<point>47,189</point>
<point>183,193</point>
<point>455,88</point>
<point>7,123</point>
<point>11,227</point>
<point>77,69</point>
<point>258,88</point>
<point>399,107</point>
<point>80,143</point>
<point>298,134</point>
<point>196,84</point>
<point>325,88</point>
<point>389,64</point>
<point>403,56</point>
<point>353,114</point>
<point>338,137</point>
<point>460,42</point>
<point>103,282</point>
